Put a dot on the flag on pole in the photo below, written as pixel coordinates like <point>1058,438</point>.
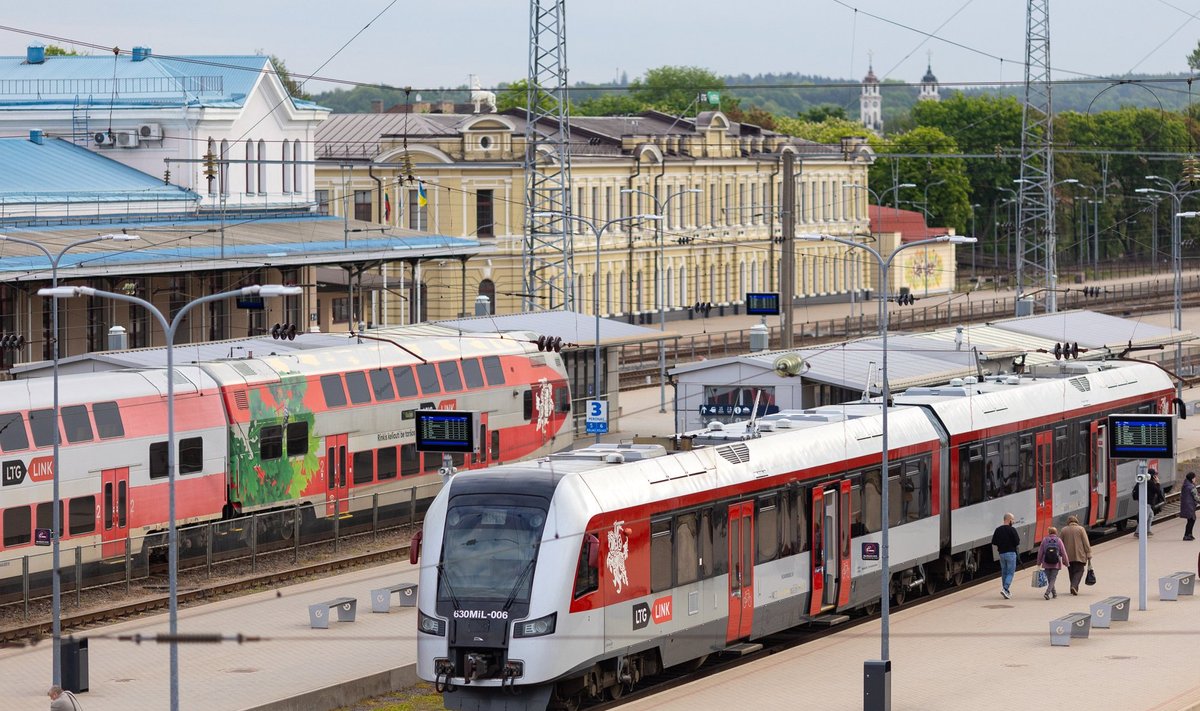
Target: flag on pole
<point>421,199</point>
<point>387,208</point>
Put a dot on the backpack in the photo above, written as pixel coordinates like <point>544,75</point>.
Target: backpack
<point>1135,491</point>
<point>1050,557</point>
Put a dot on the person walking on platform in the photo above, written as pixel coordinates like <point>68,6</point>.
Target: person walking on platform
<point>63,700</point>
<point>1187,505</point>
<point>1007,541</point>
<point>1079,551</point>
<point>1052,556</point>
<point>1154,499</point>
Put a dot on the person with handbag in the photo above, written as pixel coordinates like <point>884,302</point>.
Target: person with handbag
<point>1154,499</point>
<point>61,700</point>
<point>1051,558</point>
<point>1079,551</point>
<point>1187,505</point>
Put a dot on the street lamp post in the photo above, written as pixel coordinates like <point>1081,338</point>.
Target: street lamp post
<point>927,187</point>
<point>169,330</point>
<point>885,265</point>
<point>56,520</point>
<point>1178,195</point>
<point>660,207</point>
<point>596,277</point>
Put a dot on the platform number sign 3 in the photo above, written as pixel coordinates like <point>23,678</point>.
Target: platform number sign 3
<point>597,417</point>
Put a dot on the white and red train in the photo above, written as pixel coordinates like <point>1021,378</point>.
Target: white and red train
<point>315,430</point>
<point>550,582</point>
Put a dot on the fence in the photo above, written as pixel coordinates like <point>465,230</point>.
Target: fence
<point>235,545</point>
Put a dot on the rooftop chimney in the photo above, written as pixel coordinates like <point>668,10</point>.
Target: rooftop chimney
<point>377,106</point>
<point>140,53</point>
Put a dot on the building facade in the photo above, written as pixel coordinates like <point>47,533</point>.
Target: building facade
<point>715,182</point>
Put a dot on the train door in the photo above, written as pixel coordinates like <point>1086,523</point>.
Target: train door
<point>741,571</point>
<point>1044,486</point>
<point>1098,460</point>
<point>830,553</point>
<point>336,475</point>
<point>115,511</point>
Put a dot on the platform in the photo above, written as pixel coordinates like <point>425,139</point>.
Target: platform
<point>976,650</point>
<point>297,667</point>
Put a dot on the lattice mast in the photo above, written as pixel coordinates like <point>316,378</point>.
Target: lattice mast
<point>548,254</point>
<point>1036,260</point>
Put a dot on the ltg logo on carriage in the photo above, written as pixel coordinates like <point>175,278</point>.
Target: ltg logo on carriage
<point>659,611</point>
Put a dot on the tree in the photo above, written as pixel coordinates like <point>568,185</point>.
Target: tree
<point>817,114</point>
<point>673,89</point>
<point>1193,59</point>
<point>949,201</point>
<point>53,50</point>
<point>830,131</point>
<point>289,83</point>
<point>608,104</point>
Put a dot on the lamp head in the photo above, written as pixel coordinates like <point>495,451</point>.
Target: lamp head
<point>1072,181</point>
<point>646,217</point>
<point>1187,214</point>
<point>1143,190</point>
<point>272,290</point>
<point>811,237</point>
<point>1154,177</point>
<point>908,185</point>
<point>61,292</point>
<point>122,237</point>
<point>957,239</point>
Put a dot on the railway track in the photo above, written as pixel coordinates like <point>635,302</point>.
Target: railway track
<point>35,632</point>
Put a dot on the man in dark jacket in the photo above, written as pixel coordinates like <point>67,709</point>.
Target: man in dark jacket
<point>1187,505</point>
<point>1007,541</point>
<point>1154,499</point>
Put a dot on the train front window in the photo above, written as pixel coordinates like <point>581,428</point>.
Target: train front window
<point>488,552</point>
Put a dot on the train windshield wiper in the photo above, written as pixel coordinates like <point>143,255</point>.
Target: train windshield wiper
<point>445,579</point>
<point>512,596</point>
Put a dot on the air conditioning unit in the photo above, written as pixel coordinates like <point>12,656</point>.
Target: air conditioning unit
<point>105,138</point>
<point>127,139</point>
<point>150,132</point>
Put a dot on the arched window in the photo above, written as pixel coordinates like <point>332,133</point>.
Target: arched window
<point>297,186</point>
<point>249,167</point>
<point>224,166</point>
<point>608,295</point>
<point>668,291</point>
<point>683,295</point>
<point>286,166</point>
<point>262,167</point>
<point>622,282</point>
<point>212,151</point>
<point>487,288</point>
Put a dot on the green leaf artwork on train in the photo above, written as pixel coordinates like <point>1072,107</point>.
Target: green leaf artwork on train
<point>283,478</point>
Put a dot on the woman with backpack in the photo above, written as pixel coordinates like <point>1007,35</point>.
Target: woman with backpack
<point>1052,557</point>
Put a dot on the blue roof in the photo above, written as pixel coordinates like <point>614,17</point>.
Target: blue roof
<point>59,171</point>
<point>156,81</point>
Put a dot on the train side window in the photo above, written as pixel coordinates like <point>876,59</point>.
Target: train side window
<point>381,385</point>
<point>802,509</point>
<point>766,534</point>
<point>1083,448</point>
<point>720,531</point>
<point>427,376</point>
<point>787,524</point>
<point>387,463</point>
<point>108,420</point>
<point>410,460</point>
<point>562,398</point>
<point>41,423</point>
<point>660,555</point>
<point>158,460</point>
<point>1025,476</point>
<point>706,543</point>
<point>495,445</point>
<point>191,455</point>
<point>356,383</point>
<point>334,391</point>
<point>493,370</point>
<point>364,467</point>
<point>1063,454</point>
<point>270,442</point>
<point>451,379</point>
<point>472,373</point>
<point>45,516</point>
<point>17,530</point>
<point>687,558</point>
<point>81,512</point>
<point>587,570</point>
<point>870,516</point>
<point>106,512</point>
<point>433,461</point>
<point>527,405</point>
<point>896,492</point>
<point>406,384</point>
<point>993,486</point>
<point>971,471</point>
<point>12,432</point>
<point>297,438</point>
<point>76,423</point>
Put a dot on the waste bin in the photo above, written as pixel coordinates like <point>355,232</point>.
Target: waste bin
<point>74,661</point>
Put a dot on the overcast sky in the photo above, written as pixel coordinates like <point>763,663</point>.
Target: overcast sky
<point>435,43</point>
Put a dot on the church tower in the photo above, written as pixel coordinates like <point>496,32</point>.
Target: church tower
<point>870,104</point>
<point>929,85</point>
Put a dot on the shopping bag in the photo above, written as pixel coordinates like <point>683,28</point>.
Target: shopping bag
<point>1091,576</point>
<point>1039,578</point>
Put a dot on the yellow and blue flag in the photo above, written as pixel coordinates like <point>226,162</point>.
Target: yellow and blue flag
<point>421,199</point>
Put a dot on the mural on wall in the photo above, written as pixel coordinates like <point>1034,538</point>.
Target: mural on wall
<point>925,270</point>
<point>283,477</point>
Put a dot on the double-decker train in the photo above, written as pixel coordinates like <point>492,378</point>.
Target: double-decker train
<point>315,431</point>
<point>554,581</point>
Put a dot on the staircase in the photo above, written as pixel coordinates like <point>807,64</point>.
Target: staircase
<point>80,135</point>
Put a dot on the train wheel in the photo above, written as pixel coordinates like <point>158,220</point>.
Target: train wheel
<point>899,593</point>
<point>567,703</point>
<point>932,583</point>
<point>615,692</point>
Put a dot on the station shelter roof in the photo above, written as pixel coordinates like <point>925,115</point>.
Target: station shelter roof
<point>576,329</point>
<point>58,171</point>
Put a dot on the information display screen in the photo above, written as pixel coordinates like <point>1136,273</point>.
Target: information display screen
<point>1141,436</point>
<point>447,431</point>
<point>762,303</point>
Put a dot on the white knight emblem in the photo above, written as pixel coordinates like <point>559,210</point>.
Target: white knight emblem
<point>543,404</point>
<point>618,552</point>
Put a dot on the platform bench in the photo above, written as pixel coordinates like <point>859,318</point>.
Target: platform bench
<point>381,598</point>
<point>1110,609</point>
<point>1170,587</point>
<point>318,614</point>
<point>1072,624</point>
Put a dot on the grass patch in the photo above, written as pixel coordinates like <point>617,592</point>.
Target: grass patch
<point>421,697</point>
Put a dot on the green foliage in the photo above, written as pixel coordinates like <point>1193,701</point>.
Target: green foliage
<point>830,131</point>
<point>264,482</point>
<point>817,114</point>
<point>53,50</point>
<point>513,96</point>
<point>608,104</point>
<point>1193,59</point>
<point>946,178</point>
<point>293,87</point>
<point>673,89</point>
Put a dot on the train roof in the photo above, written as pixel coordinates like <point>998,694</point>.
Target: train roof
<point>86,388</point>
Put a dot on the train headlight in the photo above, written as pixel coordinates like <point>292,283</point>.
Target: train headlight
<point>430,625</point>
<point>536,628</point>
